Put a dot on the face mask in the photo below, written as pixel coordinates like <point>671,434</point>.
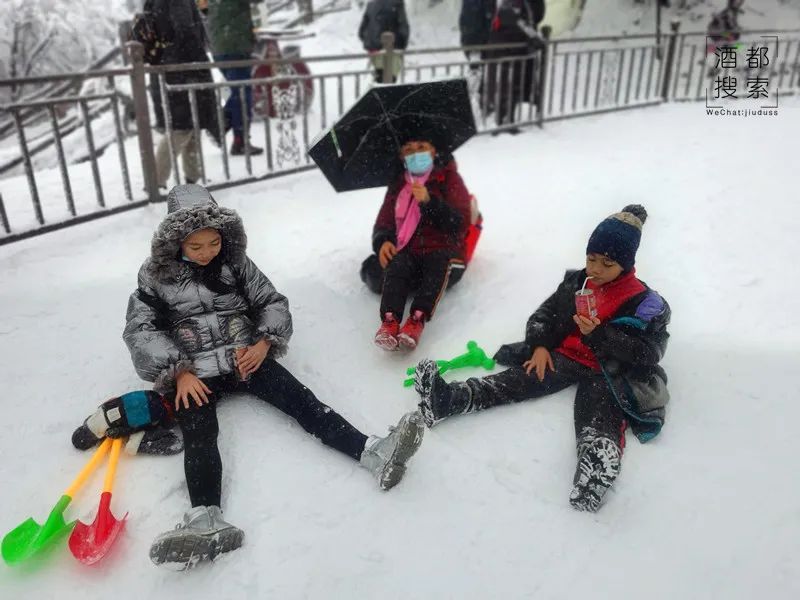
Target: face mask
<point>186,259</point>
<point>419,162</point>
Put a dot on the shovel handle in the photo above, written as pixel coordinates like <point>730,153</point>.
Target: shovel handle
<point>116,448</point>
<point>96,459</point>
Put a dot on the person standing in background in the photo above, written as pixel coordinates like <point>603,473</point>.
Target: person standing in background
<point>231,27</point>
<point>183,40</point>
<point>475,23</point>
<point>515,21</point>
<point>381,16</point>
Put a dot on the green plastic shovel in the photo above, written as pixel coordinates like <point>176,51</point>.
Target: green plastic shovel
<point>474,357</point>
<point>30,538</point>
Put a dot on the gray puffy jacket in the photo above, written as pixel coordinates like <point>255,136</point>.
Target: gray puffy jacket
<point>176,323</point>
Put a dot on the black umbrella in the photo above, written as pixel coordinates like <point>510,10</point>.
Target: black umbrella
<point>361,150</point>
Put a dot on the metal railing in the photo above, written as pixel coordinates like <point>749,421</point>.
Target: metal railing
<point>65,128</point>
<point>696,78</point>
<point>510,85</point>
<point>55,88</point>
<point>294,107</point>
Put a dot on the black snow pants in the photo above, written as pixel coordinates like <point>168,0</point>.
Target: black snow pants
<point>426,275</point>
<point>596,411</point>
<point>271,383</point>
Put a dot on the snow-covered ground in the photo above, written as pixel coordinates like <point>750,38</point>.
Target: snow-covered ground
<point>707,510</point>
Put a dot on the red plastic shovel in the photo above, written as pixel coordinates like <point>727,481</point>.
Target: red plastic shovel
<point>90,543</point>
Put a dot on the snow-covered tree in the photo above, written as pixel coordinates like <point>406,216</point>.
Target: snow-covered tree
<point>43,37</point>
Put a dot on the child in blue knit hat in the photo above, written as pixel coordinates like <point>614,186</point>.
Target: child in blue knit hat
<point>611,352</point>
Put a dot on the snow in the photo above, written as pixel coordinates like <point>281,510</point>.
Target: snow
<point>630,17</point>
<point>707,510</point>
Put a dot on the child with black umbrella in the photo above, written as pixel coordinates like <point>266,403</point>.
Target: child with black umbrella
<point>419,242</point>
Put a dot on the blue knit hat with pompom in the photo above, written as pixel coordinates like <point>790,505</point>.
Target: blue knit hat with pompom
<point>618,236</point>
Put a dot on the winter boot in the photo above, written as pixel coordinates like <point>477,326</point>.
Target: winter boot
<point>510,131</point>
<point>202,536</point>
<point>599,463</point>
<point>411,330</point>
<point>386,337</point>
<point>386,457</point>
<point>239,145</point>
<point>83,438</point>
<point>124,416</point>
<point>158,441</point>
<point>92,431</point>
<point>439,399</point>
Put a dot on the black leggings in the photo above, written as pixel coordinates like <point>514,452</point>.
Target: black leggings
<point>427,276</point>
<point>595,406</point>
<point>271,383</point>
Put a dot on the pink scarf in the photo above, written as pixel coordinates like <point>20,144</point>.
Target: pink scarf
<point>407,214</point>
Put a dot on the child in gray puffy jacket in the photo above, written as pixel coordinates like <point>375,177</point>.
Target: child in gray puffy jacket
<point>203,322</point>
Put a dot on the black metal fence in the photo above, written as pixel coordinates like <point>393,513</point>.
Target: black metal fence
<point>296,100</point>
<point>57,145</point>
<point>699,72</point>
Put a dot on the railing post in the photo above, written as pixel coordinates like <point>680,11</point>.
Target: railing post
<point>29,173</point>
<point>124,30</point>
<point>4,216</point>
<point>143,131</point>
<point>387,41</point>
<point>308,17</point>
<point>658,29</point>
<point>544,66</point>
<point>668,65</point>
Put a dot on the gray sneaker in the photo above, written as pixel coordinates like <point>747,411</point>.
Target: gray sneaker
<point>386,457</point>
<point>202,536</point>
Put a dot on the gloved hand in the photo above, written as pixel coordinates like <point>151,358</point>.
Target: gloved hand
<point>155,441</point>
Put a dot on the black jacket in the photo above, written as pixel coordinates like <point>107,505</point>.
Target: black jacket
<point>506,24</point>
<point>179,23</point>
<point>475,21</point>
<point>628,346</point>
<point>510,12</point>
<point>724,25</point>
<point>380,16</point>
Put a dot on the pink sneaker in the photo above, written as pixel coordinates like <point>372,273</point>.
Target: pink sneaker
<point>412,330</point>
<point>386,337</point>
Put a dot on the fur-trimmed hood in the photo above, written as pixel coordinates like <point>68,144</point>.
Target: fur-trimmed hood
<point>189,208</point>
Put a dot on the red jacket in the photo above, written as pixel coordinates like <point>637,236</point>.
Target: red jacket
<point>445,218</point>
<point>609,297</point>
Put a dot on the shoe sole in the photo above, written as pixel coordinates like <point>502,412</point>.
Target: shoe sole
<point>186,551</point>
<point>588,495</point>
<point>410,439</point>
<point>406,341</point>
<point>586,500</point>
<point>424,376</point>
<point>386,342</point>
